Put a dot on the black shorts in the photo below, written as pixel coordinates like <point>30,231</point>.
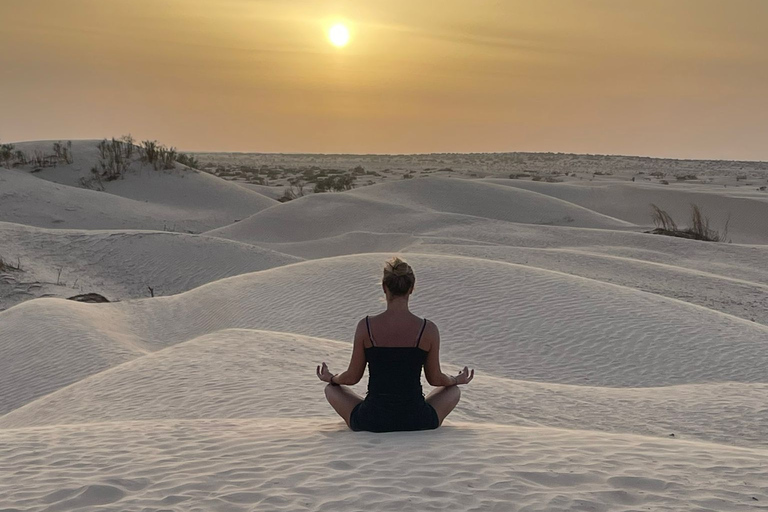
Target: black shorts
<point>377,414</point>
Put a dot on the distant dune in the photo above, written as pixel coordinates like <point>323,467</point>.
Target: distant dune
<point>408,207</point>
<point>745,211</point>
<point>182,199</point>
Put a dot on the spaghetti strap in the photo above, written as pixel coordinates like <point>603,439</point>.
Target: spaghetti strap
<point>418,341</point>
<point>368,326</point>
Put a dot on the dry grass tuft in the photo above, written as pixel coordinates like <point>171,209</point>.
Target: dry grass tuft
<point>699,228</point>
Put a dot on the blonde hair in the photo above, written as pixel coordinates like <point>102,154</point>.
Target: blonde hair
<point>398,276</point>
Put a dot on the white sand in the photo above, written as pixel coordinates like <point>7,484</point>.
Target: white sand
<point>180,200</point>
<point>616,370</point>
<point>746,206</point>
<point>121,264</point>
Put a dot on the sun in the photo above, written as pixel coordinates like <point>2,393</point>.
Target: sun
<point>338,35</point>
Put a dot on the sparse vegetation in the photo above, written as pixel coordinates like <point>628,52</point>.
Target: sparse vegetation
<point>338,183</point>
<point>6,154</point>
<point>159,156</point>
<point>63,151</point>
<point>188,160</point>
<point>12,157</point>
<point>21,158</point>
<point>295,190</point>
<point>699,228</point>
<point>115,158</point>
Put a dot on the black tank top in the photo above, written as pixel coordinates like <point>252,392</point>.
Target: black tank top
<point>395,372</point>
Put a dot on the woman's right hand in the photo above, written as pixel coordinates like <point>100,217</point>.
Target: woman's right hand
<point>465,376</point>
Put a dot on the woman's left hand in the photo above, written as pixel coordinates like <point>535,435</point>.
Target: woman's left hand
<point>323,373</point>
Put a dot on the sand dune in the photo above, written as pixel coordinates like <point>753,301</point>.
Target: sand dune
<point>739,297</point>
<point>182,199</point>
<point>728,278</point>
<point>487,200</point>
<point>273,464</point>
<point>748,208</point>
<point>407,207</point>
<point>214,377</point>
<point>616,370</point>
<point>121,264</point>
<point>515,322</point>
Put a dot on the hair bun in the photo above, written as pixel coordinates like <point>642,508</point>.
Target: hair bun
<point>398,267</point>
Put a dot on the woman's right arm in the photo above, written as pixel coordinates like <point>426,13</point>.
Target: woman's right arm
<point>433,373</point>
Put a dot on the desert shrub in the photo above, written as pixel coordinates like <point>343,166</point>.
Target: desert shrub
<point>518,175</point>
<point>20,158</point>
<point>358,170</point>
<point>6,154</point>
<point>662,220</point>
<point>94,181</point>
<point>699,228</point>
<point>63,152</point>
<point>168,158</point>
<point>337,183</point>
<point>41,160</point>
<point>157,155</point>
<point>129,144</point>
<point>114,159</point>
<point>188,160</point>
<point>664,182</point>
<point>11,157</point>
<point>295,190</point>
<point>287,196</point>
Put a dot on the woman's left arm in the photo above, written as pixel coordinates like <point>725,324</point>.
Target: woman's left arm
<point>356,366</point>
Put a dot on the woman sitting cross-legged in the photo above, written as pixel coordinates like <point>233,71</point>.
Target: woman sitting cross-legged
<point>395,344</point>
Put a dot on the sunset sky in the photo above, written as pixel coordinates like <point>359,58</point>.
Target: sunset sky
<point>677,78</point>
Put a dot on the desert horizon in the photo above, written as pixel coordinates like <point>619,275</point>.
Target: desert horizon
<point>381,308</point>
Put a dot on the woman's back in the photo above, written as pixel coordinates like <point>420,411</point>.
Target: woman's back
<point>395,371</point>
<point>395,400</point>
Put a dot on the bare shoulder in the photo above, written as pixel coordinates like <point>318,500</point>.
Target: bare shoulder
<point>431,336</point>
<point>360,329</point>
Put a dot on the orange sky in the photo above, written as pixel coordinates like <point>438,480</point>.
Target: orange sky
<point>679,78</point>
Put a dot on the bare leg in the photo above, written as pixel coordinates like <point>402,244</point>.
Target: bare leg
<point>342,399</point>
<point>444,400</point>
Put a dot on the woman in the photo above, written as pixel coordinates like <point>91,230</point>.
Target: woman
<point>395,344</point>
